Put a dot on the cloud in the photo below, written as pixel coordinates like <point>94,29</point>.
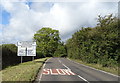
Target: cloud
<point>65,16</point>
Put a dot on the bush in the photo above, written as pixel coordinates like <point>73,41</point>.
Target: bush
<point>100,44</point>
<point>60,51</point>
<point>9,55</point>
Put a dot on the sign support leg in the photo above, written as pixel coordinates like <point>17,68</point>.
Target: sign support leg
<point>33,58</point>
<point>21,59</point>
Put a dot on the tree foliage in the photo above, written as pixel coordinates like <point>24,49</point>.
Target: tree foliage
<point>100,44</point>
<point>47,41</point>
<point>61,50</point>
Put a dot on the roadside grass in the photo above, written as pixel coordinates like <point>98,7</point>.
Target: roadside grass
<point>113,70</point>
<point>23,72</point>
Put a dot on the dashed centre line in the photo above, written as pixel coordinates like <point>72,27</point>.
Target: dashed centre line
<point>66,66</point>
<point>59,61</point>
<point>67,71</point>
<point>71,71</point>
<point>63,64</point>
<point>82,78</point>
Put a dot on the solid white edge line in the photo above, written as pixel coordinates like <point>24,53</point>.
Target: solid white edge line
<point>42,70</point>
<point>95,69</point>
<point>82,78</point>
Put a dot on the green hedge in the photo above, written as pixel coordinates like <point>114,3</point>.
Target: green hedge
<point>100,44</point>
<point>9,55</point>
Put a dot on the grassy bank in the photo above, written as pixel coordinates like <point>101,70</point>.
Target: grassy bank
<point>113,70</point>
<point>23,72</point>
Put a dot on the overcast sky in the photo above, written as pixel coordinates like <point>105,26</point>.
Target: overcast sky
<point>20,20</point>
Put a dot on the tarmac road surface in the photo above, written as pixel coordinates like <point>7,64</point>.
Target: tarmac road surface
<point>62,70</point>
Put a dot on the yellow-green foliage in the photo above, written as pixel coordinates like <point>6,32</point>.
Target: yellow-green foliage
<point>47,41</point>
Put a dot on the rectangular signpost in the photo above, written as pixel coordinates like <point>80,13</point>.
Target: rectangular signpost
<point>26,48</point>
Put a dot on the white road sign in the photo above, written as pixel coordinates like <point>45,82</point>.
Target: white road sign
<point>26,48</point>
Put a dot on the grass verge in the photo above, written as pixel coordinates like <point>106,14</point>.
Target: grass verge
<point>23,72</point>
<point>99,66</point>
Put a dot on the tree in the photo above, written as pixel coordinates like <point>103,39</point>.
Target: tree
<point>100,44</point>
<point>61,50</point>
<point>106,20</point>
<point>47,41</point>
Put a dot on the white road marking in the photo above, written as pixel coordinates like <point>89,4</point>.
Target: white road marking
<point>46,71</point>
<point>78,75</point>
<point>59,60</point>
<point>69,72</point>
<point>66,66</point>
<point>42,70</point>
<point>95,69</point>
<point>82,78</point>
<point>63,64</point>
<point>57,72</point>
<point>53,73</point>
<point>63,73</point>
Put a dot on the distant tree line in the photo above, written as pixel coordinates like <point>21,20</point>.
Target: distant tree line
<point>100,44</point>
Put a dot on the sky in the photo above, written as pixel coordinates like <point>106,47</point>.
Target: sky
<point>20,19</point>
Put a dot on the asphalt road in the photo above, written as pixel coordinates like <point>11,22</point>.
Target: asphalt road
<point>64,70</point>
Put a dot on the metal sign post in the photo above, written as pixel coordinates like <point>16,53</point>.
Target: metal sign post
<point>21,59</point>
<point>33,58</point>
<point>26,51</point>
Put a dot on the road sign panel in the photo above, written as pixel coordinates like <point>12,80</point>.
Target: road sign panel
<point>26,48</point>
